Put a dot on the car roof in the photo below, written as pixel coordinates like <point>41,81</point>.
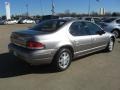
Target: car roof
<point>69,20</point>
<point>66,20</point>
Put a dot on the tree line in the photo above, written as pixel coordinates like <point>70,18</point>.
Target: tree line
<point>67,13</point>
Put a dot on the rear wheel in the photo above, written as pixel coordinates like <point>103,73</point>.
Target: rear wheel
<point>62,59</point>
<point>116,33</point>
<point>110,45</point>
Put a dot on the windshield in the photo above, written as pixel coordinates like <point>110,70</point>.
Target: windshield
<point>109,20</point>
<point>49,26</point>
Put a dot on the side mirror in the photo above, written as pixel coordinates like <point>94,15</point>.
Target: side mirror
<point>101,32</point>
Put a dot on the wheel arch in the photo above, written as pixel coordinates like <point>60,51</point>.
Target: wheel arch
<point>116,29</point>
<point>113,38</point>
<point>67,47</point>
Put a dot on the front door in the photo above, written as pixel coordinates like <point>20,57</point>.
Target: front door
<point>99,41</point>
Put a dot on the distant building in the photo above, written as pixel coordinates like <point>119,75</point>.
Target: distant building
<point>102,11</point>
<point>7,6</point>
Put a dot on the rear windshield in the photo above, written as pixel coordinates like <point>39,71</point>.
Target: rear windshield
<point>49,25</point>
<point>109,20</point>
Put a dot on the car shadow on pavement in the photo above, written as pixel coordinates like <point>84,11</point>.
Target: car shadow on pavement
<point>10,66</point>
<point>118,41</point>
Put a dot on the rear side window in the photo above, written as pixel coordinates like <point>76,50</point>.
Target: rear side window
<point>79,29</point>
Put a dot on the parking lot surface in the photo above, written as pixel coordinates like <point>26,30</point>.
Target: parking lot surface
<point>98,71</point>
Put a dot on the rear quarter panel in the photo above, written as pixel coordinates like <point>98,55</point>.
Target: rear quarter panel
<point>55,40</point>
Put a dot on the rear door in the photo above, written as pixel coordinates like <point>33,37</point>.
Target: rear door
<point>80,38</point>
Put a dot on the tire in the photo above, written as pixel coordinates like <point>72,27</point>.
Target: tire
<point>116,33</point>
<point>62,59</point>
<point>110,45</point>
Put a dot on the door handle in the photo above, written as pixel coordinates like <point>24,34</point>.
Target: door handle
<point>76,43</point>
<point>94,39</point>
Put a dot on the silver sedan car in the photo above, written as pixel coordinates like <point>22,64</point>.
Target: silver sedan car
<point>57,42</point>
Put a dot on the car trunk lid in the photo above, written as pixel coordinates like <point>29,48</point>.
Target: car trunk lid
<point>21,38</point>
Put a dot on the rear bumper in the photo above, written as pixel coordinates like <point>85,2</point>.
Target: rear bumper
<point>33,57</point>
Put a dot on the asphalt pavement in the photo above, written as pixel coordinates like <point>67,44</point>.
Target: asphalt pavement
<point>98,71</point>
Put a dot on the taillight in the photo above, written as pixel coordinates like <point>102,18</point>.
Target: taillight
<point>35,45</point>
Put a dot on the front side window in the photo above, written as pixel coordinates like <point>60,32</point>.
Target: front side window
<point>97,20</point>
<point>93,28</point>
<point>79,29</point>
<point>88,19</point>
<point>118,21</point>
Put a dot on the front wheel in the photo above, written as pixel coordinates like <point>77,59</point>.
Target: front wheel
<point>62,59</point>
<point>110,45</point>
<point>116,33</point>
